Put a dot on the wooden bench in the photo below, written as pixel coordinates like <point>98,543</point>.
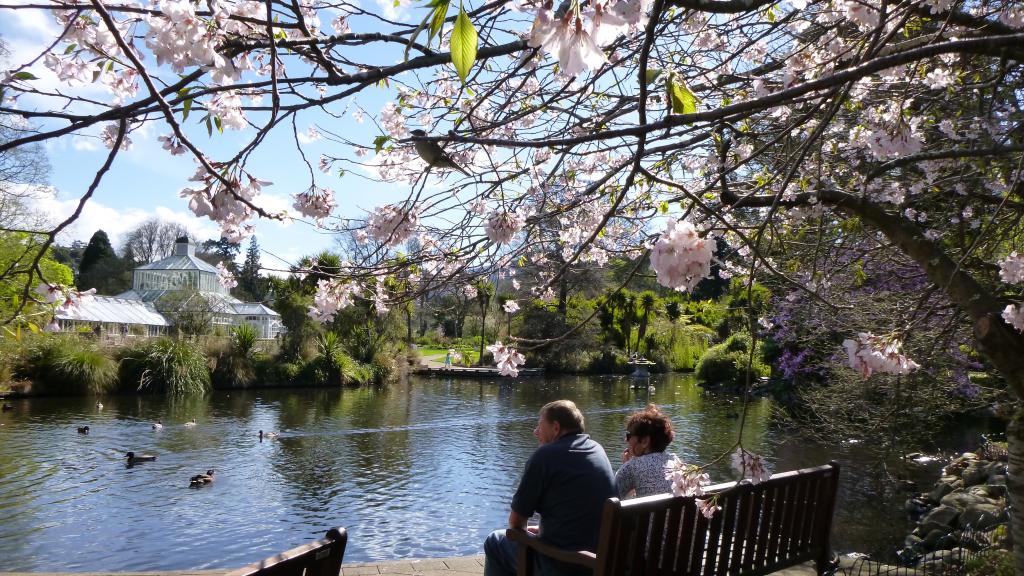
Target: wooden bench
<point>779,523</point>
<point>320,558</point>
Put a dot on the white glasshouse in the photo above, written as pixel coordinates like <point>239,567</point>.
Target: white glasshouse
<point>133,313</point>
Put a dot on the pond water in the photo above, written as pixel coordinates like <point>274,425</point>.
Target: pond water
<point>421,469</point>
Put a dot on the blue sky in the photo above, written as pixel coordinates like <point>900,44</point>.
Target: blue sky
<point>145,180</point>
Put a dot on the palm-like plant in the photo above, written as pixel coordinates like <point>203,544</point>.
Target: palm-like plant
<point>484,293</point>
<point>176,367</point>
<point>647,302</point>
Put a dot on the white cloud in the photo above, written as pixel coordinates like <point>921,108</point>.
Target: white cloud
<point>115,222</point>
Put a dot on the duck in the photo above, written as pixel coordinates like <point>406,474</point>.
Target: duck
<point>83,430</point>
<point>158,425</point>
<point>190,423</point>
<point>650,389</point>
<point>6,407</point>
<point>136,458</point>
<point>201,479</point>
<point>267,435</point>
<point>99,405</point>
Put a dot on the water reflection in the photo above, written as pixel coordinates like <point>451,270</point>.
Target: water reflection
<point>421,469</point>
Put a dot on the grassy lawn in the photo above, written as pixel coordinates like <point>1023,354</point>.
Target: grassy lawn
<point>438,354</point>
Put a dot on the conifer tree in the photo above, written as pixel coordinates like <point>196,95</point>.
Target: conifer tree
<point>249,277</point>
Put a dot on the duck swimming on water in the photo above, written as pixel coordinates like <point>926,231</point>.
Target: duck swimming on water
<point>267,435</point>
<point>158,425</point>
<point>134,458</point>
<point>201,479</point>
<point>190,423</point>
<point>83,430</point>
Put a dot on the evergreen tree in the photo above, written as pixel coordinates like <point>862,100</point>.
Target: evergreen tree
<point>99,248</point>
<point>249,277</point>
<point>101,268</point>
<point>223,250</point>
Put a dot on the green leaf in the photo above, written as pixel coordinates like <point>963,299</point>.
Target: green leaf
<point>437,18</point>
<point>70,48</point>
<point>32,326</point>
<point>379,142</point>
<point>220,127</point>
<point>185,109</point>
<point>652,74</point>
<point>663,207</point>
<point>341,172</point>
<point>209,125</point>
<point>463,43</point>
<point>683,101</point>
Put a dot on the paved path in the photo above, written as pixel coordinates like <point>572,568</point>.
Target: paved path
<point>456,566</point>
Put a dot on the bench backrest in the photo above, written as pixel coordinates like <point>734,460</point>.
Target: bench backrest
<point>781,522</point>
<point>320,558</point>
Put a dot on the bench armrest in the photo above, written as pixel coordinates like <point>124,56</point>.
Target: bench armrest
<point>579,557</point>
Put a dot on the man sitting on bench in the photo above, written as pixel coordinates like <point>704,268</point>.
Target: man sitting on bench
<point>566,480</point>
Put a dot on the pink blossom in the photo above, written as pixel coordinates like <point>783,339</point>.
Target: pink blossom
<point>579,52</point>
<point>506,358</point>
<point>510,307</point>
<point>50,292</point>
<point>1011,270</point>
<point>172,144</point>
<point>750,465</point>
<point>707,507</point>
<point>687,479</point>
<point>331,297</point>
<point>1014,316</point>
<point>392,224</point>
<point>109,137</point>
<point>469,291</point>
<point>680,257</point>
<point>870,353</point>
<point>224,276</point>
<point>502,226</point>
<point>316,202</point>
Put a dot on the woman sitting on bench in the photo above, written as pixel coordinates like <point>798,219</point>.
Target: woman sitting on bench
<point>648,433</point>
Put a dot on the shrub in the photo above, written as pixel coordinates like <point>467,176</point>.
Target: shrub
<point>236,365</point>
<point>174,367</point>
<point>722,367</point>
<point>610,361</point>
<point>59,364</point>
<point>333,367</point>
<point>997,562</point>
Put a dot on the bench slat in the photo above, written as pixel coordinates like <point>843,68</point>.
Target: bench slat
<point>730,511</point>
<point>760,529</point>
<point>320,558</point>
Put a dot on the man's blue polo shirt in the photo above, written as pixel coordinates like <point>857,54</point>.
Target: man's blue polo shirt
<point>567,482</point>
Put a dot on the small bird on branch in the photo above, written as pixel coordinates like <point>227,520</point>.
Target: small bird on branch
<point>433,154</point>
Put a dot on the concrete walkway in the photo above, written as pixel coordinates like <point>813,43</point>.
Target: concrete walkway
<point>456,566</point>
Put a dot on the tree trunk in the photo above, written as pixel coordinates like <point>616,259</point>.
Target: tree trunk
<point>1015,485</point>
<point>563,297</point>
<point>483,326</point>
